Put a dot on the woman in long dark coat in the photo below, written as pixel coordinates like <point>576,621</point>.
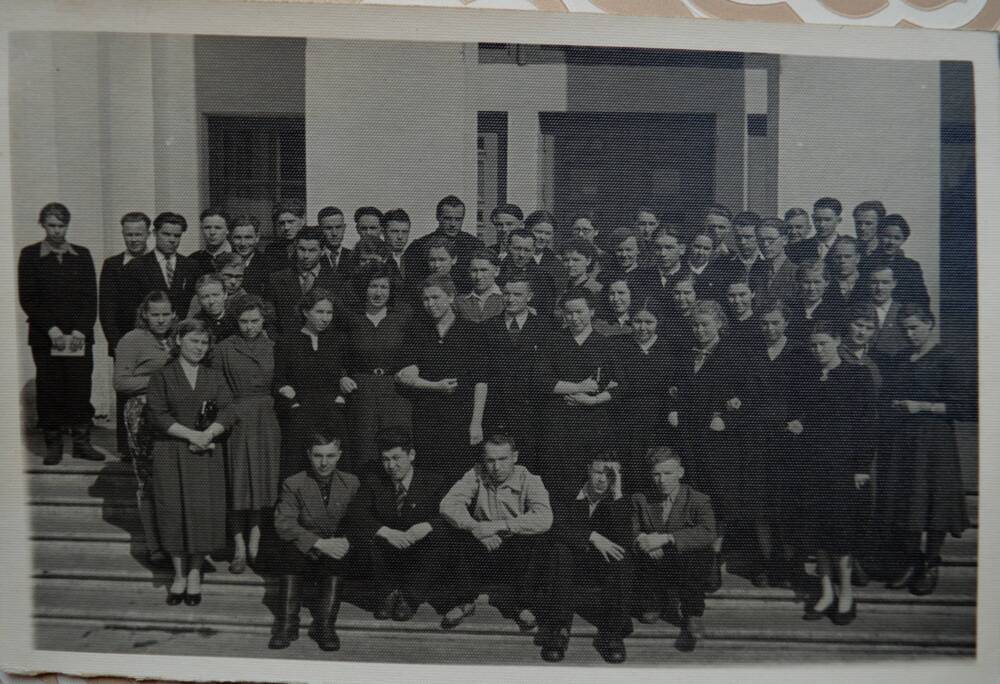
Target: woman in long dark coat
<point>445,379</point>
<point>307,370</point>
<point>254,447</point>
<point>190,407</point>
<point>373,340</point>
<point>832,421</point>
<point>919,476</point>
<point>645,369</point>
<point>706,407</point>
<point>582,376</point>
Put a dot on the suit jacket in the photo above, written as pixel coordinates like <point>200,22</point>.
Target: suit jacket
<point>302,518</point>
<point>143,275</point>
<point>691,519</point>
<point>516,363</point>
<point>345,263</point>
<point>542,284</point>
<point>726,270</point>
<point>57,294</point>
<point>910,286</point>
<point>573,523</point>
<point>806,250</point>
<point>858,294</point>
<point>113,301</point>
<point>779,285</point>
<point>890,339</point>
<point>415,258</point>
<point>284,291</point>
<point>799,326</point>
<point>256,275</point>
<point>647,283</point>
<point>375,506</point>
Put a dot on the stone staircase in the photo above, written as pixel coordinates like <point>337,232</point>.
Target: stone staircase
<point>92,593</point>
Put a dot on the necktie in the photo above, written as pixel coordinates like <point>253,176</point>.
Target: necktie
<point>668,504</point>
<point>306,281</point>
<point>699,358</point>
<point>169,267</point>
<point>400,497</point>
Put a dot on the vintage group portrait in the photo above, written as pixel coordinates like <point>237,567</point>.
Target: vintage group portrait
<point>611,348</point>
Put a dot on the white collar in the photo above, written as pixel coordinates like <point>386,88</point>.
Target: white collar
<point>580,338</point>
<point>521,319</point>
<point>648,345</point>
<point>495,290</point>
<point>775,349</point>
<point>377,317</point>
<point>698,271</point>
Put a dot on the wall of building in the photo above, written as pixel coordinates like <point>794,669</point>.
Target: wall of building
<point>104,123</point>
<point>865,129</point>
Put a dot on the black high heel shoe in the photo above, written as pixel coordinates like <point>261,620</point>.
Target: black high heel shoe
<point>813,614</point>
<point>192,599</point>
<point>175,599</point>
<point>838,618</point>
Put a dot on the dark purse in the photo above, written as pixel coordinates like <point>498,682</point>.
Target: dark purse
<point>206,416</point>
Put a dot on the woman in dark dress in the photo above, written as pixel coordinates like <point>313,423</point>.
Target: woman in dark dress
<point>615,317</point>
<point>253,451</point>
<point>582,376</point>
<point>706,406</point>
<point>919,475</point>
<point>645,370</point>
<point>190,407</point>
<point>832,422</point>
<point>307,372</point>
<point>771,371</point>
<point>444,376</point>
<point>373,340</point>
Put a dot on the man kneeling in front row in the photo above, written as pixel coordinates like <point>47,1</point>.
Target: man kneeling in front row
<point>673,529</point>
<point>501,513</point>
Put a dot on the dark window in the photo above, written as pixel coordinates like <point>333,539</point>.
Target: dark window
<point>256,162</point>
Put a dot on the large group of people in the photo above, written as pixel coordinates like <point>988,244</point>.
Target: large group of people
<point>574,420</point>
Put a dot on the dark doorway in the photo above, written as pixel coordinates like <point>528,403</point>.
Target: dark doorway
<point>609,163</point>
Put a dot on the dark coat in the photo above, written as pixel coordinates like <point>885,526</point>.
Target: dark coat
<point>573,523</point>
<point>807,250</point>
<point>143,275</point>
<point>646,283</point>
<point>285,291</point>
<point>375,506</point>
<point>116,317</point>
<point>415,257</point>
<point>301,518</point>
<point>691,519</point>
<point>910,286</point>
<point>53,293</point>
<point>256,275</point>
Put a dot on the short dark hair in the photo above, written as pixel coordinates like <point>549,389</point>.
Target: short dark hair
<point>511,209</point>
<point>485,254</point>
<point>440,242</point>
<point>374,246</point>
<point>580,246</point>
<point>539,216</point>
<point>669,231</point>
<point>895,220</point>
<point>824,327</point>
<point>290,206</point>
<point>747,218</point>
<point>171,218</point>
<point>54,209</point>
<point>519,275</point>
<point>135,217</point>
<point>244,303</point>
<point>245,220</point>
<point>620,235</point>
<point>830,203</point>
<point>323,436</point>
<point>328,211</point>
<point>364,275</point>
<point>718,210</point>
<point>918,310</point>
<point>367,211</point>
<point>795,211</point>
<point>847,240</point>
<point>313,297</point>
<point>225,260</point>
<point>397,215</point>
<point>575,293</point>
<point>870,205</point>
<point>523,234</point>
<point>811,266</point>
<point>394,438</point>
<point>449,201</point>
<point>311,233</point>
<point>445,283</point>
<point>208,279</point>
<point>500,437</point>
<point>212,211</point>
<point>864,312</point>
<point>662,454</point>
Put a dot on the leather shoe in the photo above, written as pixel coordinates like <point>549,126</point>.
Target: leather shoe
<point>611,650</point>
<point>192,599</point>
<point>838,618</point>
<point>926,580</point>
<point>686,641</point>
<point>552,654</point>
<point>904,579</point>
<point>175,599</point>
<point>386,609</point>
<point>451,623</point>
<point>403,610</point>
<point>238,566</point>
<point>327,639</point>
<point>281,640</point>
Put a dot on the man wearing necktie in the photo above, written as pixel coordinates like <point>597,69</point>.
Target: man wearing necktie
<point>395,521</point>
<point>673,529</point>
<point>287,286</point>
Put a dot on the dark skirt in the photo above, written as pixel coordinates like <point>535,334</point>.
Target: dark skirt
<point>374,406</point>
<point>190,494</point>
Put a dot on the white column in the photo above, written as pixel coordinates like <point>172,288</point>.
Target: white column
<point>390,126</point>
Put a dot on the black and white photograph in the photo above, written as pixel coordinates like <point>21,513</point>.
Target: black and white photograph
<point>429,350</point>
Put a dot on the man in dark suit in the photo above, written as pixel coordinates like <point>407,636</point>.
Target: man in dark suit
<point>867,216</point>
<point>773,276</point>
<point>331,221</point>
<point>288,218</point>
<point>596,529</point>
<point>673,528</point>
<point>846,286</point>
<point>244,234</point>
<point>450,216</point>
<point>396,229</point>
<point>893,232</point>
<point>163,268</point>
<point>738,265</point>
<point>518,341</point>
<point>520,262</point>
<point>287,286</point>
<point>214,225</point>
<point>113,299</point>
<point>890,338</point>
<point>826,217</point>
<point>395,519</point>
<point>812,305</point>
<point>657,281</point>
<point>57,289</point>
